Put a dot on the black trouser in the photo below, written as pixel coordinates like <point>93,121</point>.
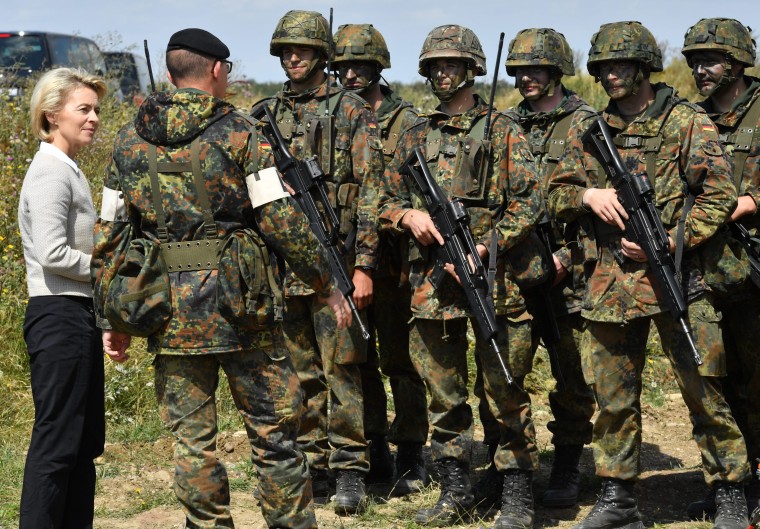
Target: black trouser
<point>66,365</point>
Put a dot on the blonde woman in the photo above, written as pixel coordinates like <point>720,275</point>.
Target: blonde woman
<point>56,218</point>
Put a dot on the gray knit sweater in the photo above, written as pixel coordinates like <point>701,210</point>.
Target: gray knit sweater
<point>56,218</point>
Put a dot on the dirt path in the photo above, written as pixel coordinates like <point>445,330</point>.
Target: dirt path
<point>671,479</point>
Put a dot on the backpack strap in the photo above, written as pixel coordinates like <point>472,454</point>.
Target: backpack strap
<point>200,254</point>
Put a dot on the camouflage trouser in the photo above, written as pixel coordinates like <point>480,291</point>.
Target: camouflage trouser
<point>613,357</point>
<point>389,317</point>
<point>268,396</point>
<point>439,351</point>
<point>572,404</point>
<point>741,333</point>
<point>325,358</point>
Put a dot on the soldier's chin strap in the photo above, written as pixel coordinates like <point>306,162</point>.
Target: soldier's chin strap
<point>317,64</point>
<point>727,79</point>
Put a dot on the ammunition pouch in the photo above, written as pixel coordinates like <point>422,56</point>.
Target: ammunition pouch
<point>246,289</point>
<point>468,182</point>
<point>346,205</point>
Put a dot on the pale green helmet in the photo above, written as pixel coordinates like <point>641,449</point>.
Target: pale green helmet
<point>721,34</point>
<point>624,41</point>
<point>452,41</point>
<point>361,42</point>
<point>540,47</point>
<point>301,28</point>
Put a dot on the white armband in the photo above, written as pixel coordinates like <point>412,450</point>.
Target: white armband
<point>265,187</point>
<point>113,207</point>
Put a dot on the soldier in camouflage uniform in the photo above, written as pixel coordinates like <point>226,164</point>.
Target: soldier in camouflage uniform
<point>339,128</point>
<point>718,50</point>
<point>503,199</point>
<point>537,59</point>
<point>193,126</point>
<point>674,143</point>
<point>360,56</point>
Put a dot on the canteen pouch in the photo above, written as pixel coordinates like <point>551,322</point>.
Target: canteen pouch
<point>138,301</point>
<point>247,293</point>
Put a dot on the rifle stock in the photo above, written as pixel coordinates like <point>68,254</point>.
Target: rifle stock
<point>304,177</point>
<point>643,226</point>
<point>452,221</point>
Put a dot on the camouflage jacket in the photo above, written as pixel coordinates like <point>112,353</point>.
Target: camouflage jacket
<point>356,156</point>
<point>748,182</point>
<point>393,117</point>
<point>511,204</point>
<point>228,152</point>
<point>690,156</point>
<point>539,129</point>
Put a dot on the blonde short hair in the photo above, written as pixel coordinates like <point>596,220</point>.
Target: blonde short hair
<point>51,92</point>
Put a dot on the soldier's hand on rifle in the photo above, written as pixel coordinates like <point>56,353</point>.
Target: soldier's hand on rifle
<point>482,253</point>
<point>363,287</point>
<point>340,308</point>
<point>115,345</point>
<point>422,227</point>
<point>604,203</point>
<point>560,272</point>
<point>746,206</point>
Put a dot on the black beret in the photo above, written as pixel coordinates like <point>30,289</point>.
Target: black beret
<point>198,40</point>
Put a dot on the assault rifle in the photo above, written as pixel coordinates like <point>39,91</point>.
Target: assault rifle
<point>643,226</point>
<point>540,303</point>
<point>452,221</point>
<point>741,234</point>
<point>305,177</point>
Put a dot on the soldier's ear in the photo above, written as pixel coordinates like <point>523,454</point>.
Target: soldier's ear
<point>169,77</point>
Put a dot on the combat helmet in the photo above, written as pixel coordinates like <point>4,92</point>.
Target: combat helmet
<point>721,34</point>
<point>301,28</point>
<point>624,41</point>
<point>540,47</point>
<point>360,42</point>
<point>453,41</point>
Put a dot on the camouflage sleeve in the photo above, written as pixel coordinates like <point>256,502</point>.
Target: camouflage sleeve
<point>367,161</point>
<point>571,178</point>
<point>395,198</point>
<point>708,175</point>
<point>518,183</point>
<point>111,239</point>
<point>287,232</point>
<point>285,228</point>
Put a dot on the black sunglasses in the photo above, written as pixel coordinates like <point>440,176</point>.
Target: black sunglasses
<point>226,63</point>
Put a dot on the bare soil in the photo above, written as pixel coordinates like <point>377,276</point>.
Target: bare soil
<point>136,477</point>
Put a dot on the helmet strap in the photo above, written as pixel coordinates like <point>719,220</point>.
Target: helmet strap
<point>447,95</point>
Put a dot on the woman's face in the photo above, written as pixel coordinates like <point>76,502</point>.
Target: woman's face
<point>74,126</point>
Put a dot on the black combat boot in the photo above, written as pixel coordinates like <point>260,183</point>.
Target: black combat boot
<point>380,460</point>
<point>615,509</point>
<point>565,479</point>
<point>488,488</point>
<point>411,474</point>
<point>516,500</point>
<point>350,497</point>
<point>456,500</point>
<point>730,506</point>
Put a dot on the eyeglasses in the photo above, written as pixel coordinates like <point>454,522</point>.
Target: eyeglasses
<point>226,63</point>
